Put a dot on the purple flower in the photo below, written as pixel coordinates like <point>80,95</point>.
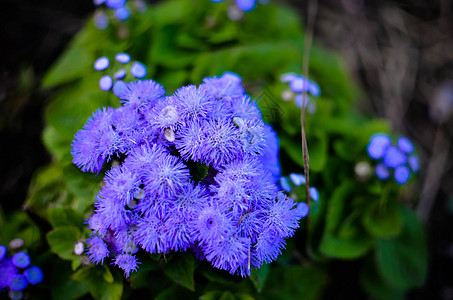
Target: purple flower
<point>97,249</point>
<point>142,92</point>
<point>126,262</point>
<point>402,175</point>
<point>21,260</point>
<point>378,145</point>
<point>394,157</point>
<point>33,274</point>
<point>382,172</point>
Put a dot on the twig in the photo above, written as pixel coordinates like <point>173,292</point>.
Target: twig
<point>312,9</point>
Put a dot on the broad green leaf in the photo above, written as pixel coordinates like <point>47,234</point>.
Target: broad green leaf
<point>402,260</point>
<point>180,269</point>
<point>47,188</point>
<point>62,239</point>
<point>100,284</point>
<point>294,282</point>
<point>58,145</point>
<point>343,237</point>
<point>83,185</point>
<point>176,292</point>
<point>63,287</point>
<point>59,216</point>
<point>374,285</point>
<point>72,64</point>
<point>382,221</point>
<point>259,276</point>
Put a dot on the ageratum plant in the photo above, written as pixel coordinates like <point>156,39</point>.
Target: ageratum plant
<point>195,170</point>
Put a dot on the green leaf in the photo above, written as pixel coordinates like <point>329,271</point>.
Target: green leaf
<point>227,295</point>
<point>180,269</point>
<point>100,283</point>
<point>59,216</point>
<point>63,287</point>
<point>402,261</point>
<point>62,239</point>
<point>47,188</point>
<point>259,276</point>
<point>58,145</point>
<point>343,237</point>
<point>374,285</point>
<point>176,292</point>
<point>212,295</point>
<point>294,282</point>
<point>83,185</point>
<point>382,221</point>
<point>72,64</point>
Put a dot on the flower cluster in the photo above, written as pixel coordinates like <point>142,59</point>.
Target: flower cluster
<point>399,158</point>
<point>298,84</point>
<point>196,170</point>
<point>16,273</point>
<point>121,11</point>
<point>137,70</point>
<point>245,5</point>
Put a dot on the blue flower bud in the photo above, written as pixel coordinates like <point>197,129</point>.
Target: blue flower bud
<point>246,5</point>
<point>314,194</point>
<point>138,70</point>
<point>33,275</point>
<point>120,74</point>
<point>105,83</point>
<point>115,4</point>
<point>382,172</point>
<point>119,88</point>
<point>123,13</point>
<point>402,175</point>
<point>21,260</point>
<point>101,63</point>
<point>101,21</point>
<point>405,144</point>
<point>18,282</point>
<point>123,58</point>
<point>3,250</point>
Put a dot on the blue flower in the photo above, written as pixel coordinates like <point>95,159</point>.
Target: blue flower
<point>89,149</point>
<point>119,88</point>
<point>33,274</point>
<point>2,252</point>
<point>149,234</point>
<point>142,92</point>
<point>21,260</point>
<point>378,145</point>
<point>123,58</point>
<point>246,5</point>
<point>105,83</point>
<point>382,172</point>
<point>212,224</point>
<point>97,249</point>
<point>229,253</point>
<point>282,218</point>
<point>115,4</point>
<point>101,63</point>
<point>138,70</point>
<point>126,262</point>
<point>18,282</point>
<point>405,144</point>
<point>402,175</point>
<point>123,13</point>
<point>7,271</point>
<point>394,157</point>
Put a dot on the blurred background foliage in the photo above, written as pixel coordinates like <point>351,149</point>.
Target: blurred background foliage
<point>362,239</point>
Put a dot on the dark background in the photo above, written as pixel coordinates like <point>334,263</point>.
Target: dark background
<point>399,52</point>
